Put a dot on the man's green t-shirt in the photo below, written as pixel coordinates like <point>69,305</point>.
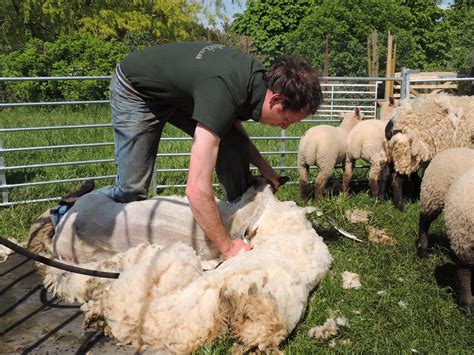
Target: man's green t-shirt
<point>213,83</point>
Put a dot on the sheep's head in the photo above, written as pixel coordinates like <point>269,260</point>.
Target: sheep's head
<point>253,318</point>
<point>350,119</point>
<point>408,150</point>
<point>387,108</point>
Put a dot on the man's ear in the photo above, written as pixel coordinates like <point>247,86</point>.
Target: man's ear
<point>276,99</point>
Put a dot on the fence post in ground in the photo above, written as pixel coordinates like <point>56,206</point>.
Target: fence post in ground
<point>405,85</point>
<point>3,177</point>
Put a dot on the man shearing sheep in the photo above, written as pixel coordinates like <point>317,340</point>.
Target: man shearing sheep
<point>206,90</point>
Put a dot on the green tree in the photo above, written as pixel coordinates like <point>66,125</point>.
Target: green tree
<point>417,25</point>
<point>460,22</point>
<point>163,20</point>
<point>268,23</point>
<point>74,54</point>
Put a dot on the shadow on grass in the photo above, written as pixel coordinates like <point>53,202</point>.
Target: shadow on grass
<point>328,235</point>
<point>445,276</point>
<point>440,242</point>
<point>21,176</point>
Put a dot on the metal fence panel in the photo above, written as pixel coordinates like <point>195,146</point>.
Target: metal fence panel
<point>342,94</point>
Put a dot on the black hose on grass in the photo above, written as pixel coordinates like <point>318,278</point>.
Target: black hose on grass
<point>57,264</point>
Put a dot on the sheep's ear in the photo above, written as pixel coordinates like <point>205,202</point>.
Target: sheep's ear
<point>357,111</point>
<point>419,148</point>
<point>391,101</point>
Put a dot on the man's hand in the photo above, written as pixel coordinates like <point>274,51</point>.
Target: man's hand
<point>271,176</point>
<point>236,246</point>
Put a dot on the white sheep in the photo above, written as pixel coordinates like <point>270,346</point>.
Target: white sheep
<point>459,217</point>
<point>164,300</point>
<point>366,141</point>
<point>324,146</point>
<point>443,170</point>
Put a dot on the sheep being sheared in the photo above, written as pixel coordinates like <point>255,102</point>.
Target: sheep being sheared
<point>164,300</point>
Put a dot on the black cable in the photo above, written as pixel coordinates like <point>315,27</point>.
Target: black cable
<point>57,264</point>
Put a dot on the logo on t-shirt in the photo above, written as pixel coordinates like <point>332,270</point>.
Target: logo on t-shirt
<point>210,48</point>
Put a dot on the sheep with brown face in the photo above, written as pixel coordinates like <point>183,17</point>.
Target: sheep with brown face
<point>425,126</point>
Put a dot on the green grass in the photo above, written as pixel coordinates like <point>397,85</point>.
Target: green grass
<point>430,322</point>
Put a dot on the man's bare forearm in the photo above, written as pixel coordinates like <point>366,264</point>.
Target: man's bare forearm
<point>208,217</point>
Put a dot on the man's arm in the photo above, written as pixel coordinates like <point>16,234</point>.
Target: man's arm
<point>201,196</point>
<point>257,160</point>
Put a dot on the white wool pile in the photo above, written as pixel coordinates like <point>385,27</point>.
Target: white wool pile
<point>164,300</point>
<point>350,280</point>
<point>329,328</point>
<point>5,252</point>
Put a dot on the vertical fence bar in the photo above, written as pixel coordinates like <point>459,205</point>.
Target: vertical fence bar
<point>283,151</point>
<point>405,84</point>
<point>3,177</point>
<point>332,100</point>
<point>375,97</point>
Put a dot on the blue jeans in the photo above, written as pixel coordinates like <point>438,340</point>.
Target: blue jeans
<point>138,124</point>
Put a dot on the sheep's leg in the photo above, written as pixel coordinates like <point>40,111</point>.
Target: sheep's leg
<point>464,293</point>
<point>374,175</point>
<point>383,180</point>
<point>346,178</point>
<point>425,221</point>
<point>397,187</point>
<point>303,170</point>
<point>320,184</point>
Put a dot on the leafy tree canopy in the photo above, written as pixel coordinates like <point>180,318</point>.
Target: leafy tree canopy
<point>268,23</point>
<point>153,20</point>
<point>427,36</point>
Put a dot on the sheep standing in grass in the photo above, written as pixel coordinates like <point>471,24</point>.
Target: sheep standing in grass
<point>164,300</point>
<point>365,141</point>
<point>444,169</point>
<point>459,216</point>
<point>426,125</point>
<point>324,146</point>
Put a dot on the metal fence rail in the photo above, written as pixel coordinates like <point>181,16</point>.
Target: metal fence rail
<point>342,94</point>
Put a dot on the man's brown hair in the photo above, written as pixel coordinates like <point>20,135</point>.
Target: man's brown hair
<point>297,82</point>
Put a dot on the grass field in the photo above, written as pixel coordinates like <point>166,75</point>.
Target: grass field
<point>415,313</point>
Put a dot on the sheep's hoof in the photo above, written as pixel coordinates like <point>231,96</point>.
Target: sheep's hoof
<point>400,206</point>
<point>421,252</point>
<point>467,308</point>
